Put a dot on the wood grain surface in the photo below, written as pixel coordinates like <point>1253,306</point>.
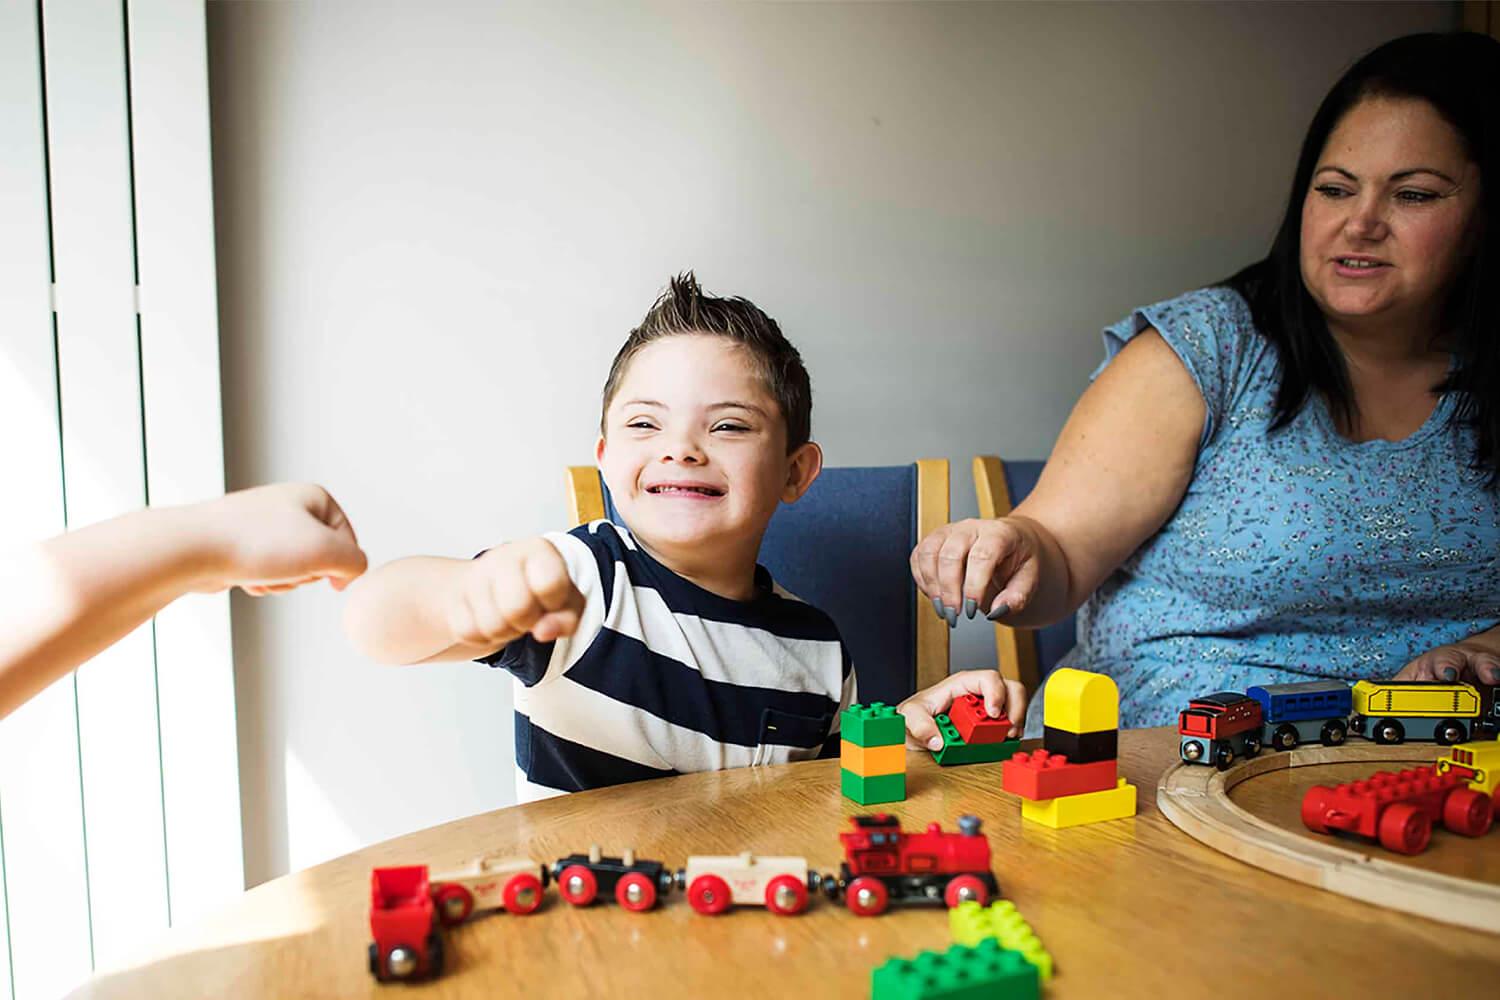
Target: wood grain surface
<point>1130,908</point>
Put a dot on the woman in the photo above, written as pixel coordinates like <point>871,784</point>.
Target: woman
<point>1293,474</point>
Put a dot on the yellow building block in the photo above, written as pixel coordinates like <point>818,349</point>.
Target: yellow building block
<point>871,762</point>
<point>1081,702</point>
<point>1076,810</point>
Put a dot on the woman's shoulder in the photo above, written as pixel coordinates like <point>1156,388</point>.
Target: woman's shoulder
<point>1217,308</point>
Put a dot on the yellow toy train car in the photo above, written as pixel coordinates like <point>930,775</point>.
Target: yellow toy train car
<point>1395,711</point>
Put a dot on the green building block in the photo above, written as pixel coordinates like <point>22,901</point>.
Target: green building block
<point>956,751</point>
<point>983,972</point>
<point>869,791</point>
<point>971,923</point>
<point>876,725</point>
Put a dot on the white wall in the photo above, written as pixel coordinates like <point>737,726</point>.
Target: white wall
<point>437,221</point>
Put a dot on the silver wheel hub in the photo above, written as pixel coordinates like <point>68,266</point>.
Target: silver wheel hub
<point>965,894</point>
<point>525,897</point>
<point>453,907</point>
<point>633,893</point>
<point>575,886</point>
<point>785,898</point>
<point>401,962</point>
<point>865,897</point>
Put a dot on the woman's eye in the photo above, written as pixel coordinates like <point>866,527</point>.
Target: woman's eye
<point>1416,197</point>
<point>1330,191</point>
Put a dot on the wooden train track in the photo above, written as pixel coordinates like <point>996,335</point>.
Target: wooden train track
<point>1196,800</point>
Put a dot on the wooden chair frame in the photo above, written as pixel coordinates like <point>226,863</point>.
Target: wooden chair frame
<point>586,503</point>
<point>1015,649</point>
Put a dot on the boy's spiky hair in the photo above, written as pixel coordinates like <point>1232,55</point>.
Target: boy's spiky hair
<point>684,309</point>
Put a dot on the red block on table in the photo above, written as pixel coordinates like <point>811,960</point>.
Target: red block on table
<point>1041,775</point>
<point>974,724</point>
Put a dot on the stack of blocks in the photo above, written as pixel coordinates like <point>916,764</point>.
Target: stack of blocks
<point>985,971</point>
<point>1075,778</point>
<point>872,750</point>
<point>970,736</point>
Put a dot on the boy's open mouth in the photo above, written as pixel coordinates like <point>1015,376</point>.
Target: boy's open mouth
<point>677,489</point>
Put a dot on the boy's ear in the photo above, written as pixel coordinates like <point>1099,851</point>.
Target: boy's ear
<point>599,450</point>
<point>803,466</point>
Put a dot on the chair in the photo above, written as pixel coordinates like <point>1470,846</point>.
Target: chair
<point>1026,655</point>
<point>844,547</point>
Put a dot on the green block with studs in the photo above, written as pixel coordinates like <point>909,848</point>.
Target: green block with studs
<point>985,971</point>
<point>956,751</point>
<point>869,791</point>
<point>971,923</point>
<point>875,725</point>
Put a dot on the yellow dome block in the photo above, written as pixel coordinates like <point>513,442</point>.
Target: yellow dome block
<point>1081,702</point>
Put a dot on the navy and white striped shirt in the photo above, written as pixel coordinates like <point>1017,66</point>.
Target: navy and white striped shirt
<point>664,677</point>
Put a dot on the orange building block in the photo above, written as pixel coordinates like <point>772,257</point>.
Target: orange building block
<point>872,762</point>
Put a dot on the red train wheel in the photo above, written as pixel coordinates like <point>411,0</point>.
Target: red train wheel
<point>1404,829</point>
<point>523,893</point>
<point>454,903</point>
<point>786,895</point>
<point>709,894</point>
<point>1315,808</point>
<point>965,887</point>
<point>1467,812</point>
<point>577,885</point>
<point>635,892</point>
<point>866,896</point>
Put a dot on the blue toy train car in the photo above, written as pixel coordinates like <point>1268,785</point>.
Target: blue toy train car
<point>1310,711</point>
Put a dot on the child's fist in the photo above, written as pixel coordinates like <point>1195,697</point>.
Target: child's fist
<point>1001,697</point>
<point>515,589</point>
<point>273,538</point>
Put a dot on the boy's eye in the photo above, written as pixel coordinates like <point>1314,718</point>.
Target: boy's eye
<point>641,424</point>
<point>729,425</point>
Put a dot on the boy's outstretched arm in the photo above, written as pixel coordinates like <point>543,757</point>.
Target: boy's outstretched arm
<point>69,597</point>
<point>426,609</point>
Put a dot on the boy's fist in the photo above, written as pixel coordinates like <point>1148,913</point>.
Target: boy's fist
<point>514,589</point>
<point>1001,697</point>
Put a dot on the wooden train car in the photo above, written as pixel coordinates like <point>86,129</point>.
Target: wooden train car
<point>403,922</point>
<point>1304,712</point>
<point>489,883</point>
<point>1217,727</point>
<point>635,884</point>
<point>884,864</point>
<point>715,882</point>
<point>1396,711</point>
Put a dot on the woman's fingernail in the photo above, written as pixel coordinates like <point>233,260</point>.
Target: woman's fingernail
<point>999,612</point>
<point>952,615</point>
<point>937,606</point>
<point>970,607</point>
<point>1494,675</point>
<point>1449,674</point>
<point>936,743</point>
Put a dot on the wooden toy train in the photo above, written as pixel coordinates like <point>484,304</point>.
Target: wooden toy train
<point>883,865</point>
<point>1219,728</point>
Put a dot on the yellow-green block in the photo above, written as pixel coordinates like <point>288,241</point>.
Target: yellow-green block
<point>970,923</point>
<point>1076,810</point>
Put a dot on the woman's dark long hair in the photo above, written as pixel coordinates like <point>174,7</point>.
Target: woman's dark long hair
<point>1459,75</point>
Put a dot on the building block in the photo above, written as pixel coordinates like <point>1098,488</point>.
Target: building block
<point>873,790</point>
<point>956,751</point>
<point>985,971</point>
<point>874,725</point>
<point>1076,810</point>
<point>1042,775</point>
<point>1399,810</point>
<point>970,923</point>
<point>1080,701</point>
<point>974,723</point>
<point>868,762</point>
<point>1081,748</point>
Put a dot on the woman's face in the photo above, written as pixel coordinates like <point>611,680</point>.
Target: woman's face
<point>1389,219</point>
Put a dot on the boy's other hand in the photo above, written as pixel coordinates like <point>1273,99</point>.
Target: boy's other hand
<point>1001,697</point>
<point>514,589</point>
<point>275,538</point>
<point>976,565</point>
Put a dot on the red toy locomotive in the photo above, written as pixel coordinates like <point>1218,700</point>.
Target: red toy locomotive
<point>403,922</point>
<point>885,865</point>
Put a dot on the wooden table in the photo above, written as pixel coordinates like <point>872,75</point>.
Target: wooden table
<point>1130,908</point>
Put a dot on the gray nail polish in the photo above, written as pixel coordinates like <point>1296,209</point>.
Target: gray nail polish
<point>1449,674</point>
<point>970,606</point>
<point>999,613</point>
<point>952,615</point>
<point>1494,675</point>
<point>937,606</point>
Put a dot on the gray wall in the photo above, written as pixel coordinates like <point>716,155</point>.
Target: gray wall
<point>437,221</point>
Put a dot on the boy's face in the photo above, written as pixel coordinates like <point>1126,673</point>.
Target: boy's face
<point>694,451</point>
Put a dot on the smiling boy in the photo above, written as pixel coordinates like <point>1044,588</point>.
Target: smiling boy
<point>662,647</point>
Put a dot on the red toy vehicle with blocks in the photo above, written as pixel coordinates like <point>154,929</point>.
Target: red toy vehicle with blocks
<point>1216,727</point>
<point>780,884</point>
<point>1399,809</point>
<point>403,922</point>
<point>886,865</point>
<point>489,883</point>
<point>635,884</point>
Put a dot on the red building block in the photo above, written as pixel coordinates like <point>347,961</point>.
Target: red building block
<point>1041,775</point>
<point>974,724</point>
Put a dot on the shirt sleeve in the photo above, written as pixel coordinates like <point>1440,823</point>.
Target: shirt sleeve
<point>1211,332</point>
<point>590,567</point>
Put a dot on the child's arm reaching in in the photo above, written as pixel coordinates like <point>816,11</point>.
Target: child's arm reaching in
<point>1001,696</point>
<point>69,597</point>
<point>426,609</point>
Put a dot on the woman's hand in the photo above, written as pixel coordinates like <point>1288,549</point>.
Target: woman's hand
<point>978,564</point>
<point>1475,659</point>
<point>1001,697</point>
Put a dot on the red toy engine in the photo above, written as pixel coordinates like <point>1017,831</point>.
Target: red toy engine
<point>886,865</point>
<point>403,923</point>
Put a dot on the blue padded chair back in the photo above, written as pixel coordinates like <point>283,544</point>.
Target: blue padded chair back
<point>1054,641</point>
<point>844,547</point>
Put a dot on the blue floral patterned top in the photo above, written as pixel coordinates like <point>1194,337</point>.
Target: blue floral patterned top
<point>1293,555</point>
